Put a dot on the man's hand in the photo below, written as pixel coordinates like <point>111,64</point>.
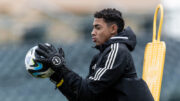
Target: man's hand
<point>48,55</point>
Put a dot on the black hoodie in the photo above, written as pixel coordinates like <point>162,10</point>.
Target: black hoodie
<point>112,75</point>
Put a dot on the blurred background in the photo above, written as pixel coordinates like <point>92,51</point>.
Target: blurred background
<point>68,23</point>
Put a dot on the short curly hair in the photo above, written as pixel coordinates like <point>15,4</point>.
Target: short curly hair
<point>111,15</point>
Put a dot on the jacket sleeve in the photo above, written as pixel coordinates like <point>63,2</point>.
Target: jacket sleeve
<point>101,80</point>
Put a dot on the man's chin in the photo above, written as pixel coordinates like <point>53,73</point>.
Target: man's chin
<point>97,44</point>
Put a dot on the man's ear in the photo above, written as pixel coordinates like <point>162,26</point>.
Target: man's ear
<point>114,29</point>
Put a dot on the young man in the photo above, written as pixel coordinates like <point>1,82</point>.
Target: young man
<point>112,75</point>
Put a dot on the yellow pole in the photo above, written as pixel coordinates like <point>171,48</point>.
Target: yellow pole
<point>160,23</point>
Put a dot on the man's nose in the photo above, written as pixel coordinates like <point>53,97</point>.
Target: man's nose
<point>93,32</point>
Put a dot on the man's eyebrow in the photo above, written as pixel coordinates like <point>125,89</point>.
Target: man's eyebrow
<point>96,25</point>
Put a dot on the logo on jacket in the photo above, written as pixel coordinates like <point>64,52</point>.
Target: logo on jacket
<point>94,66</point>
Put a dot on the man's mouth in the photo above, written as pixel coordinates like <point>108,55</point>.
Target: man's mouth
<point>93,39</point>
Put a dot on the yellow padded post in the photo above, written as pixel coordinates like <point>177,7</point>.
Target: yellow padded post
<point>154,58</point>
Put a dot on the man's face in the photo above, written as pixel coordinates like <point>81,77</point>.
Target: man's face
<point>101,31</point>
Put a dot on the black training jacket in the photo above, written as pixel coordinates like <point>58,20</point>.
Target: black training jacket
<point>112,75</point>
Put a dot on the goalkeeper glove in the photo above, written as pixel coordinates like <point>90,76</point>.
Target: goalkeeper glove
<point>49,56</point>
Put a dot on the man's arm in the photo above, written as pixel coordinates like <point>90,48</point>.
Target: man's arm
<point>74,87</point>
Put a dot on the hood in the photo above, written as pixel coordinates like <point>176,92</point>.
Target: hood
<point>126,37</point>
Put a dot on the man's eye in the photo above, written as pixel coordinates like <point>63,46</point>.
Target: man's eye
<point>98,28</point>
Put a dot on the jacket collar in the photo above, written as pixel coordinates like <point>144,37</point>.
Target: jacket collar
<point>126,37</point>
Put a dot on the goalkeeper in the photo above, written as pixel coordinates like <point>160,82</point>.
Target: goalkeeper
<point>112,75</point>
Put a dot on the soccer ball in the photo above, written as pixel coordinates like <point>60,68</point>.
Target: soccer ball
<point>36,69</point>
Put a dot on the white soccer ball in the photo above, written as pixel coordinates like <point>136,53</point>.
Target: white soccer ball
<point>36,69</point>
